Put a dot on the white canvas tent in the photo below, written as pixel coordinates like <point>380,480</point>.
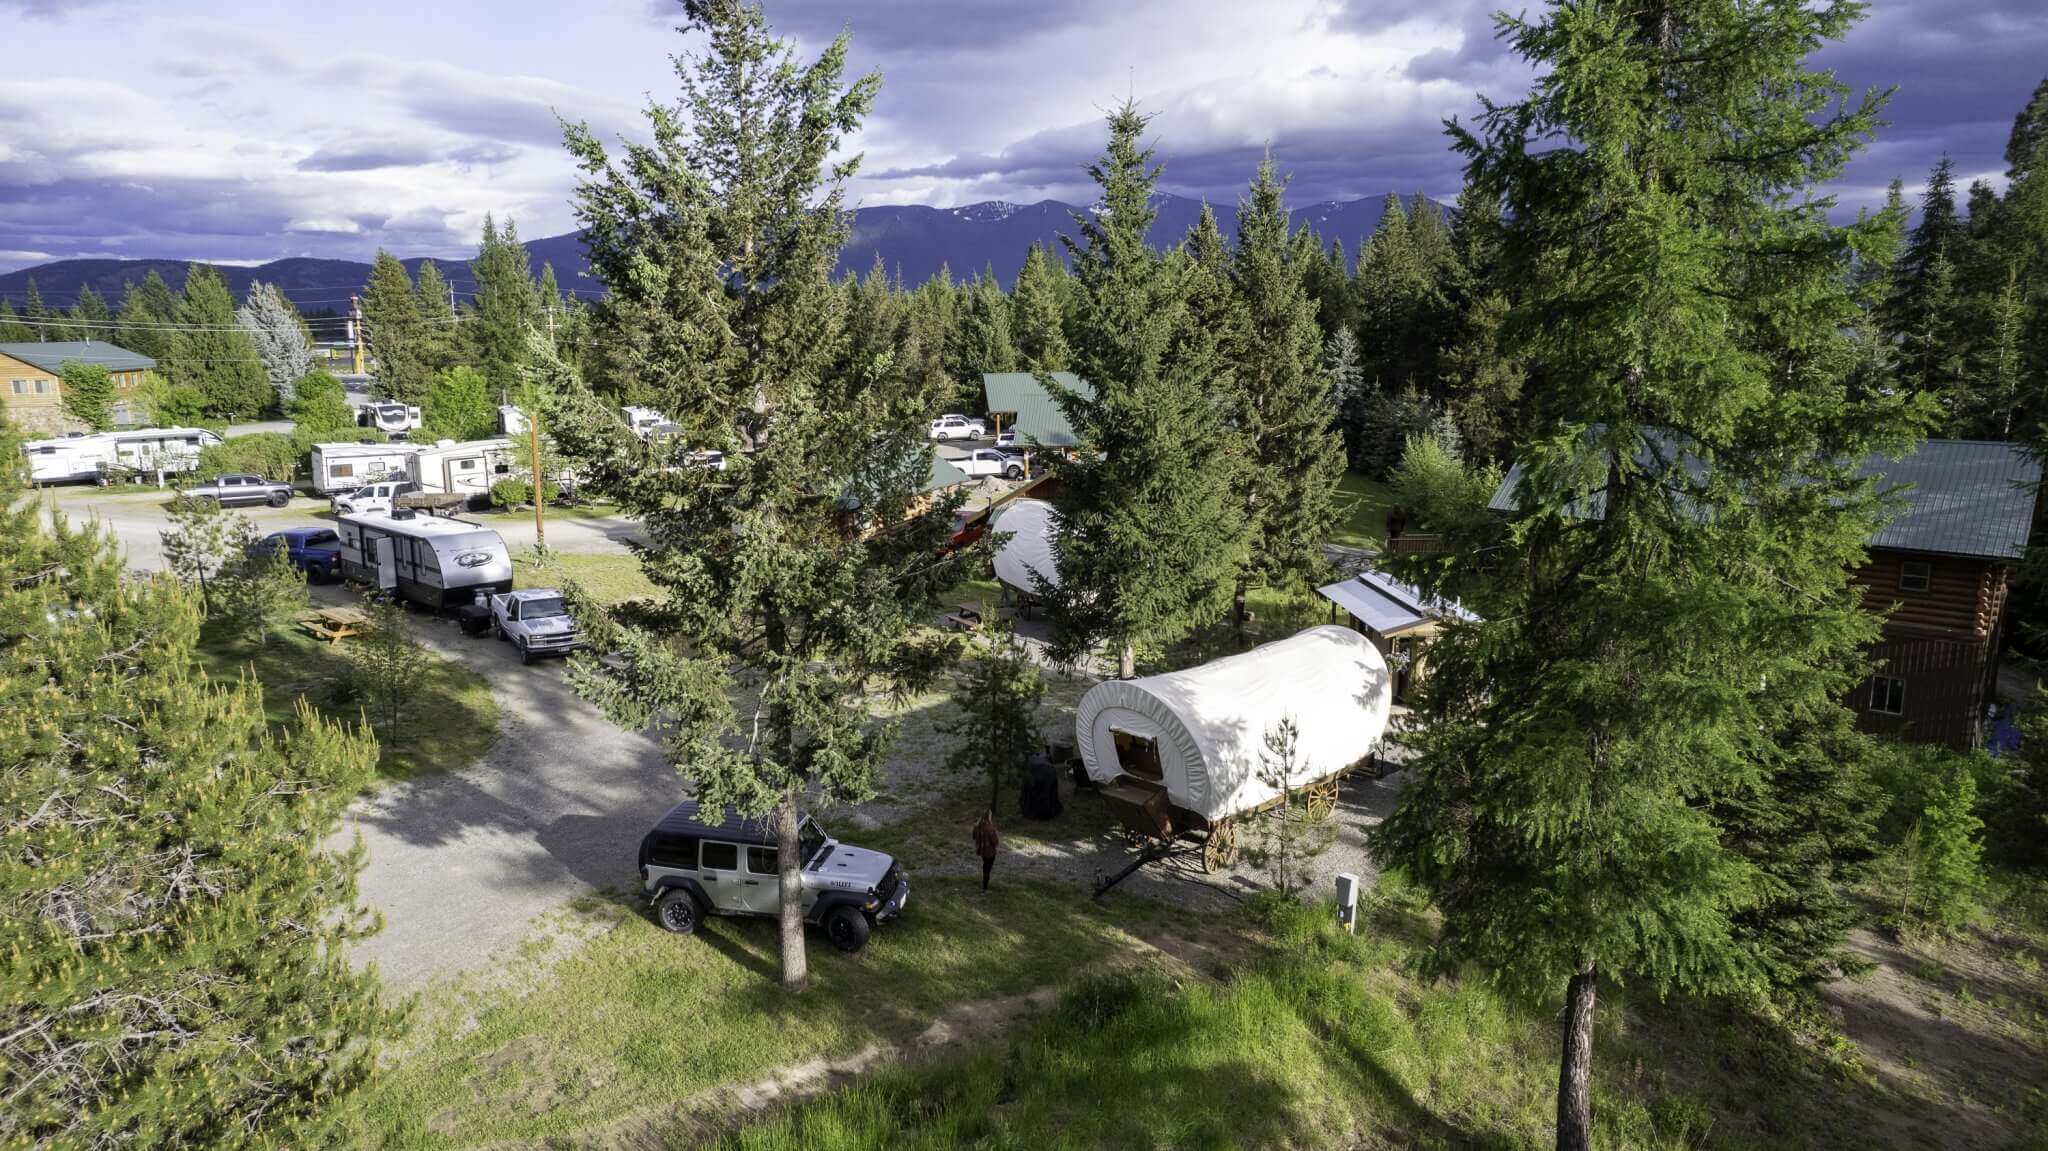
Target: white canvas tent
<point>1029,548</point>
<point>1207,725</point>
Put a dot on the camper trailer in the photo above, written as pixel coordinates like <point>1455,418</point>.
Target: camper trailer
<point>394,420</point>
<point>430,560</point>
<point>468,468</point>
<point>346,467</point>
<point>142,451</point>
<point>511,421</point>
<point>647,423</point>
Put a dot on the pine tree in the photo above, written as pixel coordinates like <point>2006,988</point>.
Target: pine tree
<point>981,338</point>
<point>212,353</point>
<point>260,594</point>
<point>201,542</point>
<point>1038,312</point>
<point>439,339</point>
<point>458,407</point>
<point>92,320</point>
<point>1147,536</point>
<point>388,666</point>
<point>147,311</point>
<point>1291,835</point>
<point>12,330</point>
<point>998,722</point>
<point>88,394</point>
<point>34,308</point>
<point>280,339</point>
<point>506,310</point>
<point>392,330</point>
<point>1995,377</point>
<point>1393,293</point>
<point>1942,866</point>
<point>1482,383</point>
<point>1350,394</point>
<point>1672,590</point>
<point>174,937</point>
<point>1279,402</point>
<point>1924,310</point>
<point>797,580</point>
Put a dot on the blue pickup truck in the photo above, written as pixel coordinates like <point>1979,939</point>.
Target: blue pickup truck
<point>315,551</point>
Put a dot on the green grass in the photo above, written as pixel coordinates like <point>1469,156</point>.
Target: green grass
<point>636,1020</point>
<point>1362,510</point>
<point>452,719</point>
<point>608,579</point>
<point>584,511</point>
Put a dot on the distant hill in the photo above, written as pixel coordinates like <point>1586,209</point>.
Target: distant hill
<point>913,241</point>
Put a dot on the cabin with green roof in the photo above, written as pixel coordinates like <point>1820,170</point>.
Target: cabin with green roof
<point>32,383</point>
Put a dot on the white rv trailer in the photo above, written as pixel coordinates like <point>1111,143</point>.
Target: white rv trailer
<point>468,468</point>
<point>393,419</point>
<point>511,421</point>
<point>435,561</point>
<point>143,451</point>
<point>346,467</point>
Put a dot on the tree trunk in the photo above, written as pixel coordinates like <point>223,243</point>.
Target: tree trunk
<point>1127,663</point>
<point>1237,610</point>
<point>795,968</point>
<point>1575,1066</point>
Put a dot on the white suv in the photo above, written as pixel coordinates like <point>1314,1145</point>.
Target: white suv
<point>954,426</point>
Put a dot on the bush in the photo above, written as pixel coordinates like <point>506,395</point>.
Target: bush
<point>259,594</point>
<point>89,394</point>
<point>1936,875</point>
<point>512,493</point>
<point>320,404</point>
<point>272,455</point>
<point>458,407</point>
<point>173,405</point>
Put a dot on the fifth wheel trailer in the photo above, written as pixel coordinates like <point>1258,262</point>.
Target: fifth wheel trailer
<point>468,468</point>
<point>431,560</point>
<point>346,467</point>
<point>142,451</point>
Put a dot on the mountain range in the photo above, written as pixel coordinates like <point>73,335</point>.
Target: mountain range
<point>913,241</point>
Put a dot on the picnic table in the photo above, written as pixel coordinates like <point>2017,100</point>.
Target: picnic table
<point>335,624</point>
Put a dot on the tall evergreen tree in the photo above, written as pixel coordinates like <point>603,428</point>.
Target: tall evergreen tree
<point>1038,312</point>
<point>91,319</point>
<point>1995,376</point>
<point>1147,535</point>
<point>981,338</point>
<point>1924,311</point>
<point>1279,403</point>
<point>1673,600</point>
<point>173,935</point>
<point>796,580</point>
<point>280,339</point>
<point>211,352</point>
<point>392,330</point>
<point>506,310</point>
<point>439,338</point>
<point>12,330</point>
<point>34,308</point>
<point>1394,289</point>
<point>148,311</point>
<point>1482,381</point>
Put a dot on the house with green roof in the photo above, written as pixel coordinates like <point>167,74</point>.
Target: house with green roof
<point>32,382</point>
<point>1020,402</point>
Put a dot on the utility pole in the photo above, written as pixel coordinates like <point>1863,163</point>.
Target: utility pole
<point>355,329</point>
<point>540,497</point>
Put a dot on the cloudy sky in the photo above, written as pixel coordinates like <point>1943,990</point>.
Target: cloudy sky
<point>246,130</point>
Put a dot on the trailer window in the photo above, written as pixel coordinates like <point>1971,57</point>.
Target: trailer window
<point>342,471</point>
<point>719,857</point>
<point>465,465</point>
<point>1138,756</point>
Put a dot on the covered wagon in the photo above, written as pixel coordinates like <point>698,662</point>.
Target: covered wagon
<point>1026,556</point>
<point>1182,757</point>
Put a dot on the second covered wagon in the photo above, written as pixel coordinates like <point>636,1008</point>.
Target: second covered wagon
<point>1182,757</point>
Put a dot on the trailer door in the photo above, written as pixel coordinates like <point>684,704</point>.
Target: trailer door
<point>387,563</point>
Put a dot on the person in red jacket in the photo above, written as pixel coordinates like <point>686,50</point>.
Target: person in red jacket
<point>985,840</point>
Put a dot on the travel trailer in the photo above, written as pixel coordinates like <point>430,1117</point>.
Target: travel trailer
<point>346,467</point>
<point>142,451</point>
<point>468,468</point>
<point>647,422</point>
<point>511,421</point>
<point>394,420</point>
<point>434,561</point>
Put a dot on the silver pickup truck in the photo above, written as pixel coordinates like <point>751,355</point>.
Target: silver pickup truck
<point>229,490</point>
<point>535,621</point>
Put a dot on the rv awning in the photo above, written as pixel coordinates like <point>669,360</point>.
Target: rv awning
<point>1388,607</point>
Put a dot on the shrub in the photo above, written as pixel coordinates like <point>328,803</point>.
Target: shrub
<point>388,666</point>
<point>320,403</point>
<point>1937,874</point>
<point>259,594</point>
<point>458,406</point>
<point>89,394</point>
<point>272,455</point>
<point>172,405</point>
<point>512,493</point>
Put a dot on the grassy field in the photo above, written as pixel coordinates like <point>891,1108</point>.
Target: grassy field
<point>452,719</point>
<point>583,511</point>
<point>607,578</point>
<point>1362,510</point>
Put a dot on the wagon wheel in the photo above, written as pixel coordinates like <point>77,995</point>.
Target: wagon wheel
<point>1219,848</point>
<point>1322,800</point>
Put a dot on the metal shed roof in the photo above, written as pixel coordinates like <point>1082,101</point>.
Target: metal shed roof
<point>1955,497</point>
<point>944,474</point>
<point>51,356</point>
<point>1037,417</point>
<point>1389,607</point>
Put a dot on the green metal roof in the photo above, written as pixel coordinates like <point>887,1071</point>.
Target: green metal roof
<point>944,475</point>
<point>1034,415</point>
<point>51,356</point>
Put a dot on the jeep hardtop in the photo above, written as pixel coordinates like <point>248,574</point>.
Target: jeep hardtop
<point>713,862</point>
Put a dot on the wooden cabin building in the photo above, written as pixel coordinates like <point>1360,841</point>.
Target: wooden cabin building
<point>32,384</point>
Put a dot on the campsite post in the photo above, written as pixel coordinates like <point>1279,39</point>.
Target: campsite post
<point>1347,902</point>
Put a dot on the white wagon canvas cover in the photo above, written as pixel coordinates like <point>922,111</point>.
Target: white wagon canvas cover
<point>1029,548</point>
<point>1208,724</point>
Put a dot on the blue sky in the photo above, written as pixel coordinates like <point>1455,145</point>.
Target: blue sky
<point>244,131</point>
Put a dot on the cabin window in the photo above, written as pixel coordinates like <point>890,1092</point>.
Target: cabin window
<point>21,387</point>
<point>342,471</point>
<point>1916,575</point>
<point>761,860</point>
<point>1887,695</point>
<point>719,857</point>
<point>42,386</point>
<point>1138,756</point>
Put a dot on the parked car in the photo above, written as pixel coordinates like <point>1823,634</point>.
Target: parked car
<point>536,621</point>
<point>228,490</point>
<point>697,863</point>
<point>377,497</point>
<point>953,426</point>
<point>1007,441</point>
<point>990,462</point>
<point>315,551</point>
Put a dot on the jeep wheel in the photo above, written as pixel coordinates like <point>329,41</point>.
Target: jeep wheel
<point>847,928</point>
<point>678,912</point>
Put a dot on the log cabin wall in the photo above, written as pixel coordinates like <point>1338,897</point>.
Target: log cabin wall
<point>1940,644</point>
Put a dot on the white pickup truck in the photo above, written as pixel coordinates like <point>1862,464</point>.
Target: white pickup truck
<point>534,620</point>
<point>990,462</point>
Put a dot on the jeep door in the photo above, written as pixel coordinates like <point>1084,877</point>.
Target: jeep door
<point>762,886</point>
<point>718,869</point>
